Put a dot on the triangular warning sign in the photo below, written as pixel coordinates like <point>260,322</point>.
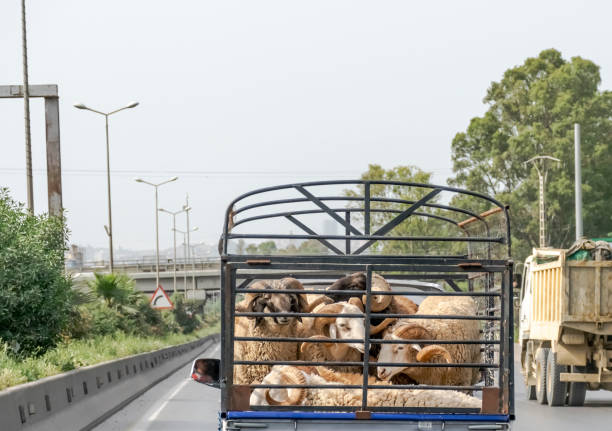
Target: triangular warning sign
<point>160,300</point>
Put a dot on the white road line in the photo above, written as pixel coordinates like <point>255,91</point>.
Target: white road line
<point>176,391</point>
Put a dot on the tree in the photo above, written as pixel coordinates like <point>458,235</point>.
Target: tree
<point>35,293</point>
<point>115,288</point>
<point>531,112</point>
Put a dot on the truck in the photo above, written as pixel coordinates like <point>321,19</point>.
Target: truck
<point>565,322</point>
<point>420,243</point>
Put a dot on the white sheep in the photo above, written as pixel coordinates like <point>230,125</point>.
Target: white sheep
<point>384,397</point>
<point>270,326</point>
<point>435,329</point>
<point>339,328</point>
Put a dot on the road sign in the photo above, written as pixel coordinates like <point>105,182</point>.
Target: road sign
<point>160,300</point>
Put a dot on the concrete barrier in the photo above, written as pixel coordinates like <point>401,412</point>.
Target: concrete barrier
<point>82,398</point>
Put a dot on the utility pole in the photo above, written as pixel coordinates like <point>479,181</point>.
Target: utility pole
<point>26,110</point>
<point>540,164</point>
<point>578,182</point>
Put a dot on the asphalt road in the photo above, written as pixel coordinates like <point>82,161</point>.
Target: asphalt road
<point>176,403</point>
<point>595,415</point>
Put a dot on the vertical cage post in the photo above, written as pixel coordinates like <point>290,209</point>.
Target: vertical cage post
<point>366,347</point>
<point>347,231</point>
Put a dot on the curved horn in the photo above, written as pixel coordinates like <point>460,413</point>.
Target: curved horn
<point>320,300</point>
<point>379,302</point>
<point>290,376</point>
<point>321,322</point>
<point>412,331</point>
<point>428,352</point>
<point>332,376</point>
<point>381,326</point>
<point>356,302</point>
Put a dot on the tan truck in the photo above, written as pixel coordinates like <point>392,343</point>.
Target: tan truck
<point>565,323</point>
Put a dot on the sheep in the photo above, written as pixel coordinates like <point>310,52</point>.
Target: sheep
<point>390,304</point>
<point>335,328</point>
<point>270,326</point>
<point>435,329</point>
<point>384,397</point>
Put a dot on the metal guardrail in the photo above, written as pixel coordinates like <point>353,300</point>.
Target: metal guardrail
<point>82,398</point>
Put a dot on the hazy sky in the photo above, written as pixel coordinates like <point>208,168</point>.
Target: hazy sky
<point>242,94</point>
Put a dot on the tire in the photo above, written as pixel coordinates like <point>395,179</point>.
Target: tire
<point>576,392</point>
<point>531,392</point>
<point>555,388</point>
<point>540,386</point>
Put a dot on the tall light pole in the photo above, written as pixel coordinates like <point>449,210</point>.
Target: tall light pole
<point>109,228</point>
<point>156,186</point>
<point>185,254</point>
<point>173,214</point>
<point>540,164</point>
<point>187,208</point>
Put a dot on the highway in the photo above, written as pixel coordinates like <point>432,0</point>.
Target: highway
<point>177,403</point>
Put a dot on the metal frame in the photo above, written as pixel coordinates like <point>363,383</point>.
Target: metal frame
<point>238,271</point>
<point>54,162</point>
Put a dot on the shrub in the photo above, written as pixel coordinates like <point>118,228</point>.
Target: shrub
<point>35,292</point>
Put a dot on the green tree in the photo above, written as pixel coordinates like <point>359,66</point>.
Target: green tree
<point>531,112</point>
<point>115,288</point>
<point>35,293</point>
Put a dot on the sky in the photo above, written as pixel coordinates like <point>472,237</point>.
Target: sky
<point>236,95</point>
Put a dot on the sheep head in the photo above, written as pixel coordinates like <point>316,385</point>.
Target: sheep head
<point>357,281</point>
<point>340,327</point>
<point>409,352</point>
<point>274,302</point>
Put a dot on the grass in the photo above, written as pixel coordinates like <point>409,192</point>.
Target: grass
<point>73,354</point>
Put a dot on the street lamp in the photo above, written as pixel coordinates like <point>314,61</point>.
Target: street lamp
<point>185,248</point>
<point>109,228</point>
<point>140,180</point>
<point>540,164</point>
<point>173,214</point>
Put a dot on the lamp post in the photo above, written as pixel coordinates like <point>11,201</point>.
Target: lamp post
<point>185,254</point>
<point>187,208</point>
<point>173,214</point>
<point>109,228</point>
<point>540,164</point>
<point>140,180</point>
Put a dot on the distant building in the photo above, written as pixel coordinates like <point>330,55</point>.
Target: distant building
<point>74,257</point>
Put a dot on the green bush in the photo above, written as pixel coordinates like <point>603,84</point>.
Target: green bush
<point>36,294</point>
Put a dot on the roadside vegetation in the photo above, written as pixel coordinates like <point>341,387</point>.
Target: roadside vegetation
<point>47,326</point>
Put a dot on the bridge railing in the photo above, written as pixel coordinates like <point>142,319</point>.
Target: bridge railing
<point>144,264</point>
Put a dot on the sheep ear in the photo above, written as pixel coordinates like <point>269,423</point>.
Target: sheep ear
<point>302,304</point>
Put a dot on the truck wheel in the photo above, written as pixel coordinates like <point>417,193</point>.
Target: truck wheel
<point>555,388</point>
<point>577,390</point>
<point>531,392</point>
<point>540,386</point>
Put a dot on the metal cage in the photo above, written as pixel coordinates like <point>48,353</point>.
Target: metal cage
<point>468,254</point>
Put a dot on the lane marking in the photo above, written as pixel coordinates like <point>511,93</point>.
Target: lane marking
<point>176,391</point>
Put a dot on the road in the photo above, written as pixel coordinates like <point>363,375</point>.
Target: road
<point>595,415</point>
<point>176,403</point>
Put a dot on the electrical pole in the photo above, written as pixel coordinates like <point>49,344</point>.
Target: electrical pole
<point>26,109</point>
<point>578,182</point>
<point>540,164</point>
